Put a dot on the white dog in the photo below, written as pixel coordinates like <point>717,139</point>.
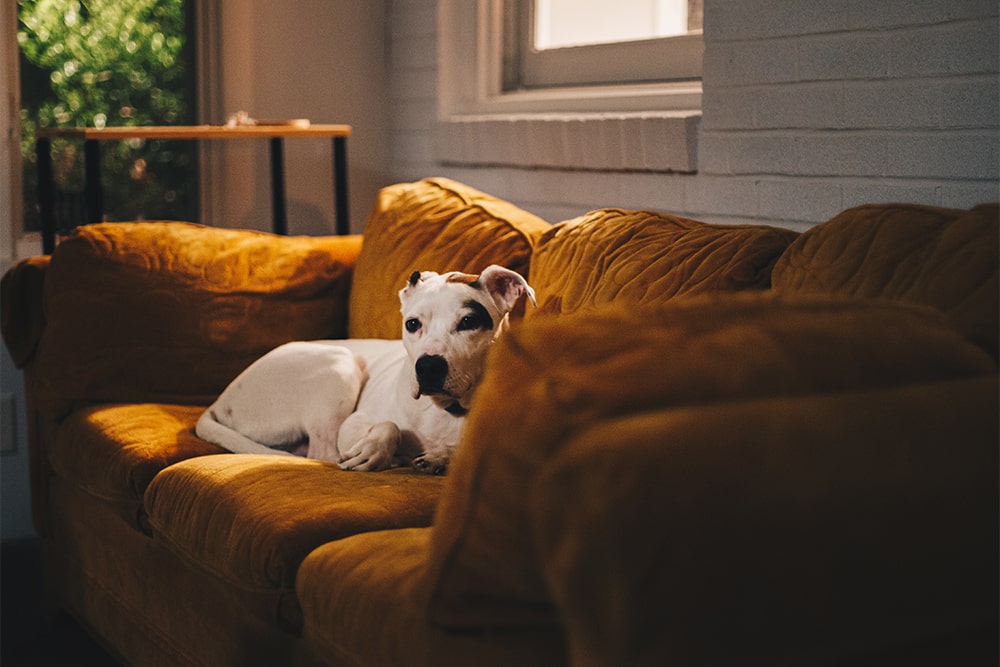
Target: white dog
<point>372,404</point>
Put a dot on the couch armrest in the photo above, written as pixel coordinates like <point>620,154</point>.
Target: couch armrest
<point>21,316</point>
<point>171,312</point>
<point>858,528</point>
<point>552,377</point>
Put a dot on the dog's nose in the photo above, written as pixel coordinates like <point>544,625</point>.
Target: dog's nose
<point>432,370</point>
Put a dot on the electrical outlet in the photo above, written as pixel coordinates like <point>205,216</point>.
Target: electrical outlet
<point>8,423</point>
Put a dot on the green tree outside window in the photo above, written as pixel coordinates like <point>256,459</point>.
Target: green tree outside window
<point>103,63</point>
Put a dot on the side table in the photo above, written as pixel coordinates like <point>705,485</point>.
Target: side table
<point>276,133</point>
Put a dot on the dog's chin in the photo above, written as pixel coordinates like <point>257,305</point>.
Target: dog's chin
<point>453,406</point>
<point>444,399</point>
<point>440,397</point>
<point>430,392</point>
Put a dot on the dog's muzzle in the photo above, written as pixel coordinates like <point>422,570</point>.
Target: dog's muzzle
<point>432,371</point>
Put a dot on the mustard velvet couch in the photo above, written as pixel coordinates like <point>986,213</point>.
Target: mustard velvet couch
<point>707,444</point>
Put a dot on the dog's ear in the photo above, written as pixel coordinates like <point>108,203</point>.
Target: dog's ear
<point>415,279</point>
<point>411,282</point>
<point>505,286</point>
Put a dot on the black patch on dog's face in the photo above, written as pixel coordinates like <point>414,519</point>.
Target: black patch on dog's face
<point>476,318</point>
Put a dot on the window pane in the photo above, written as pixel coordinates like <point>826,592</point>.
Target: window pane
<point>561,23</point>
<point>575,43</point>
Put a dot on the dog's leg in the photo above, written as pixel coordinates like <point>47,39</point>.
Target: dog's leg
<point>208,428</point>
<point>433,462</point>
<point>323,438</point>
<point>365,445</point>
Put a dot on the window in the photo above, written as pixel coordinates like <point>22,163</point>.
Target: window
<point>560,23</point>
<point>609,42</point>
<point>515,88</point>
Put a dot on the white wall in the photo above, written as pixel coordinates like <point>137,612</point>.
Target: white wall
<point>808,108</point>
<point>318,59</point>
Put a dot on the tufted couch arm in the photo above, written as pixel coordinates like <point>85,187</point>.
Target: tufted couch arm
<point>661,493</point>
<point>548,381</point>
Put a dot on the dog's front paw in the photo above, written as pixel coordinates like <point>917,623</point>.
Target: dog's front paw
<point>431,465</point>
<point>367,456</point>
<point>374,451</point>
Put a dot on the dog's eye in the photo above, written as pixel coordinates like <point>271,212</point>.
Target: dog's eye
<point>468,323</point>
<point>412,325</point>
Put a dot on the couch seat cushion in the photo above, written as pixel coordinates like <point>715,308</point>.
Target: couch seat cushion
<point>642,257</point>
<point>550,377</point>
<point>113,452</point>
<point>249,520</point>
<point>364,603</point>
<point>432,225</point>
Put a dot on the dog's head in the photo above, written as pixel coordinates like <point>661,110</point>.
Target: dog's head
<point>449,322</point>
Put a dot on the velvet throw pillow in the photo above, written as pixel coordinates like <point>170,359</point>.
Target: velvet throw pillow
<point>432,225</point>
<point>646,258</point>
<point>945,258</point>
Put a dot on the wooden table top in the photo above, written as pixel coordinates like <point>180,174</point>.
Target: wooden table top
<point>197,132</point>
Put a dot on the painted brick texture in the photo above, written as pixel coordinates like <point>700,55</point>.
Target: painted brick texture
<point>808,108</point>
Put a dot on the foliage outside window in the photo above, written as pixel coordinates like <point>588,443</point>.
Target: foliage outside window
<point>97,63</point>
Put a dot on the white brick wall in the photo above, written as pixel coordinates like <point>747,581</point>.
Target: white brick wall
<point>808,108</point>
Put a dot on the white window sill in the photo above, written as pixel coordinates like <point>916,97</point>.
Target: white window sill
<point>663,141</point>
<point>628,127</point>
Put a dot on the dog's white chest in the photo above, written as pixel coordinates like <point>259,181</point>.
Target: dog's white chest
<point>386,396</point>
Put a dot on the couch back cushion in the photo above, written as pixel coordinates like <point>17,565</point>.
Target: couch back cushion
<point>550,378</point>
<point>171,312</point>
<point>642,257</point>
<point>432,225</point>
<point>945,258</point>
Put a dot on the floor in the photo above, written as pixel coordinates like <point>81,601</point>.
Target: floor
<point>30,637</point>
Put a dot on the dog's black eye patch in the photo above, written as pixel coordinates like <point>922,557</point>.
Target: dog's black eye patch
<point>477,318</point>
<point>412,325</point>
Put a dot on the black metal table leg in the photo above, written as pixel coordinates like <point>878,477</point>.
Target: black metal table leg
<point>340,185</point>
<point>93,193</point>
<point>46,204</point>
<point>278,213</point>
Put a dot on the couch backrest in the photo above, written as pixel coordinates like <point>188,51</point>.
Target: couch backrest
<point>646,258</point>
<point>432,225</point>
<point>171,312</point>
<point>945,258</point>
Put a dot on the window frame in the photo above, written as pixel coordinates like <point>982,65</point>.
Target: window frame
<point>471,73</point>
<point>625,127</point>
<point>17,243</point>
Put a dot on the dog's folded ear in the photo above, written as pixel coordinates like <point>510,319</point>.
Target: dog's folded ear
<point>505,286</point>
